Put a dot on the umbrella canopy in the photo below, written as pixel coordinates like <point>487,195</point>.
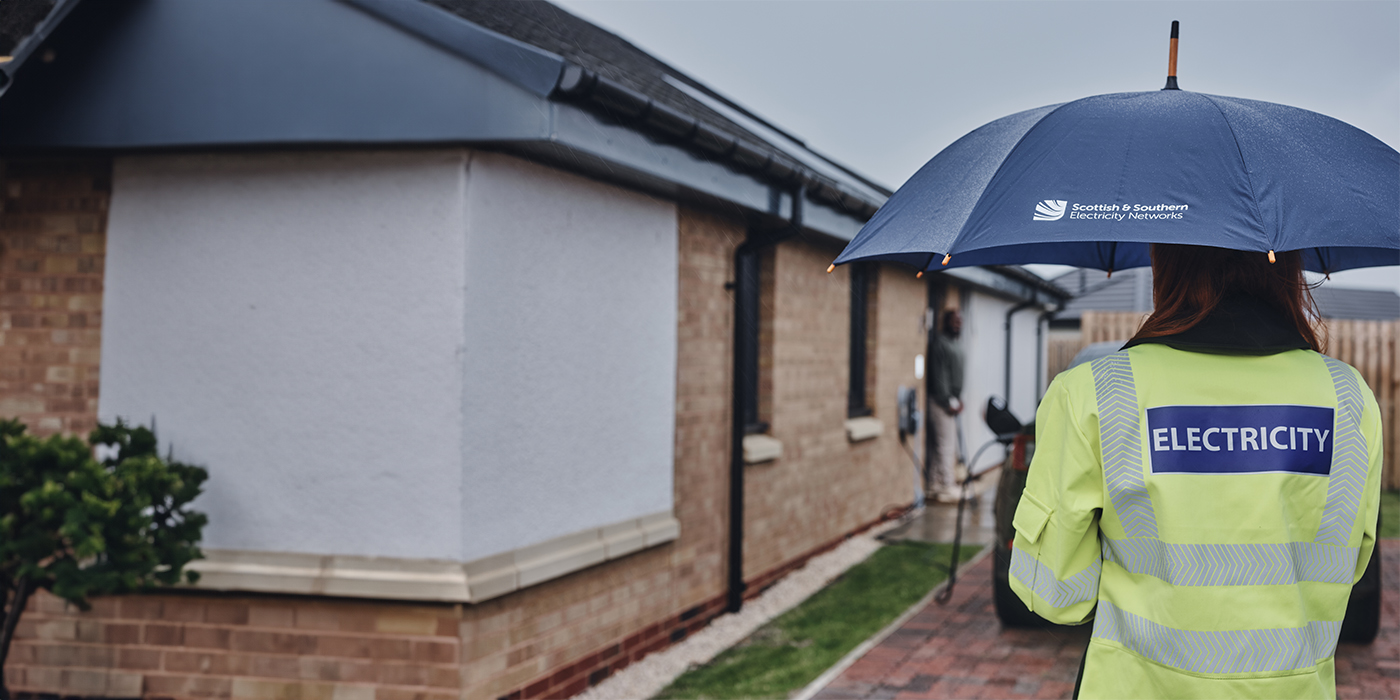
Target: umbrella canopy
<point>1092,182</point>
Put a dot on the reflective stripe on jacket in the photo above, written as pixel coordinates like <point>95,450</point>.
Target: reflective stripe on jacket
<point>1210,512</point>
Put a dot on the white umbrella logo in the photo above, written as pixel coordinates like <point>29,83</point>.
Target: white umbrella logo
<point>1050,210</point>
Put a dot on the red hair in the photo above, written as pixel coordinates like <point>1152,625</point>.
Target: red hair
<point>1189,281</point>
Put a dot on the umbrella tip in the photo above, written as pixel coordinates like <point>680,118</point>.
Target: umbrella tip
<point>830,267</point>
<point>919,274</point>
<point>947,257</point>
<point>1272,259</point>
<point>1171,58</point>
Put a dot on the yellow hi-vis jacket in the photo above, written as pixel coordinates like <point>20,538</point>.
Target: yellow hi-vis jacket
<point>1210,513</point>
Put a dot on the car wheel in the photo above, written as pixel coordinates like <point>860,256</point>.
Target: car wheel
<point>1363,619</point>
<point>1010,610</point>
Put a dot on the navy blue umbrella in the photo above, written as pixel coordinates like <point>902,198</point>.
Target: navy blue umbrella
<point>1092,182</point>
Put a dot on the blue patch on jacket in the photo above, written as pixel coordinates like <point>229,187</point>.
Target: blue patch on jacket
<point>1240,439</point>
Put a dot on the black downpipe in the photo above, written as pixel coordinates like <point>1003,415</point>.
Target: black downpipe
<point>1040,352</point>
<point>746,386</point>
<point>1019,307</point>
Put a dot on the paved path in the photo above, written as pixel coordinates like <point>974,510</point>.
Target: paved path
<point>961,651</point>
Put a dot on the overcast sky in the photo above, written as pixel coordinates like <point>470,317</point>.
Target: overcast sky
<point>882,86</point>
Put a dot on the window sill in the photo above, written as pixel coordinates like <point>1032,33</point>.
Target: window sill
<point>761,448</point>
<point>866,428</point>
<point>393,578</point>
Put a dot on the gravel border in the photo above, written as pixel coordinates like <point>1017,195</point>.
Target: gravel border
<point>649,676</point>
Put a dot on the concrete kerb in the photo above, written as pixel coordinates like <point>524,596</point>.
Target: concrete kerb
<point>811,690</point>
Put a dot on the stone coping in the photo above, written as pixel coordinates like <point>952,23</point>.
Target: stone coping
<point>865,428</point>
<point>396,578</point>
<point>761,448</point>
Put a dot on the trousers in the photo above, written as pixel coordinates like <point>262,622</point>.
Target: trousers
<point>944,478</point>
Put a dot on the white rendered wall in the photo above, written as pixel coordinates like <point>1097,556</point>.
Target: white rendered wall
<point>419,354</point>
<point>1024,349</point>
<point>570,357</point>
<point>984,346</point>
<point>293,322</point>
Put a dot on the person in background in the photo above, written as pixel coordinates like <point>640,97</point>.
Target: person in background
<point>947,401</point>
<point>1208,495</point>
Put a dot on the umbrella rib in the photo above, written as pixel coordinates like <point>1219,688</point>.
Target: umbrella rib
<point>1253,198</point>
<point>924,269</point>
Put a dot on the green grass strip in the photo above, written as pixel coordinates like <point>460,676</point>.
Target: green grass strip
<point>1390,514</point>
<point>793,649</point>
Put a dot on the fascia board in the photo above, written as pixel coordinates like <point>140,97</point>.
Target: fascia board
<point>603,150</point>
<point>179,74</point>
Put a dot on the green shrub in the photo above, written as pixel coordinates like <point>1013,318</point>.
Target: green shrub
<point>78,527</point>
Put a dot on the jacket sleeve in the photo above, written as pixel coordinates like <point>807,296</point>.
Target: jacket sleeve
<point>1055,557</point>
<point>1372,432</point>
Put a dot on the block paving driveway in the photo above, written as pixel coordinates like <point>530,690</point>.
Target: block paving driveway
<point>961,651</point>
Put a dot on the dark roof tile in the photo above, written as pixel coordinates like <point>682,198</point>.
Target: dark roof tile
<point>18,18</point>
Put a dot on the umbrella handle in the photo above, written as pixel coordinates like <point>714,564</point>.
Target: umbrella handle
<point>1171,59</point>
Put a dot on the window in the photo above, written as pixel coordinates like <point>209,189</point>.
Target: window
<point>749,344</point>
<point>862,370</point>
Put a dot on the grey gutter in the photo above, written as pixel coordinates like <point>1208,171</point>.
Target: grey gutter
<point>626,106</point>
<point>27,45</point>
<point>582,142</point>
<point>1010,283</point>
<point>1034,280</point>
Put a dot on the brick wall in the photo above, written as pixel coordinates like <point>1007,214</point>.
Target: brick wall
<point>825,486</point>
<point>249,647</point>
<point>899,337</point>
<point>52,238</point>
<point>554,639</point>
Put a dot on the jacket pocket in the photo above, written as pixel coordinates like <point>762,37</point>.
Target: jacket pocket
<point>1031,517</point>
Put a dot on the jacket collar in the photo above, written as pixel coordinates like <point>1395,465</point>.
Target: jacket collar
<point>1240,325</point>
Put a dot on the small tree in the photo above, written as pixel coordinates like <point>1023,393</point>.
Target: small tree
<point>77,527</point>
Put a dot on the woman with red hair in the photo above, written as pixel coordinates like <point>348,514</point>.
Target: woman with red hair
<point>1208,495</point>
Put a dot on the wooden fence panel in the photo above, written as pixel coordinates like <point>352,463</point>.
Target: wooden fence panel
<point>1100,326</point>
<point>1094,327</point>
<point>1372,347</point>
<point>1059,352</point>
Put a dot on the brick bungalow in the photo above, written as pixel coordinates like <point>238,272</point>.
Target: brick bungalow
<point>508,347</point>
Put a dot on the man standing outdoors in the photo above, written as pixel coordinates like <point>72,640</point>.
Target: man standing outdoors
<point>947,400</point>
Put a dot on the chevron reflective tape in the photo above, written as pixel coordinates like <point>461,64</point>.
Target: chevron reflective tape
<point>1120,442</point>
<point>1349,459</point>
<point>1323,637</point>
<point>1224,651</point>
<point>1082,587</point>
<point>1276,564</point>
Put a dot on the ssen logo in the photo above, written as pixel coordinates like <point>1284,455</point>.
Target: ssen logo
<point>1056,209</point>
<point>1050,210</point>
